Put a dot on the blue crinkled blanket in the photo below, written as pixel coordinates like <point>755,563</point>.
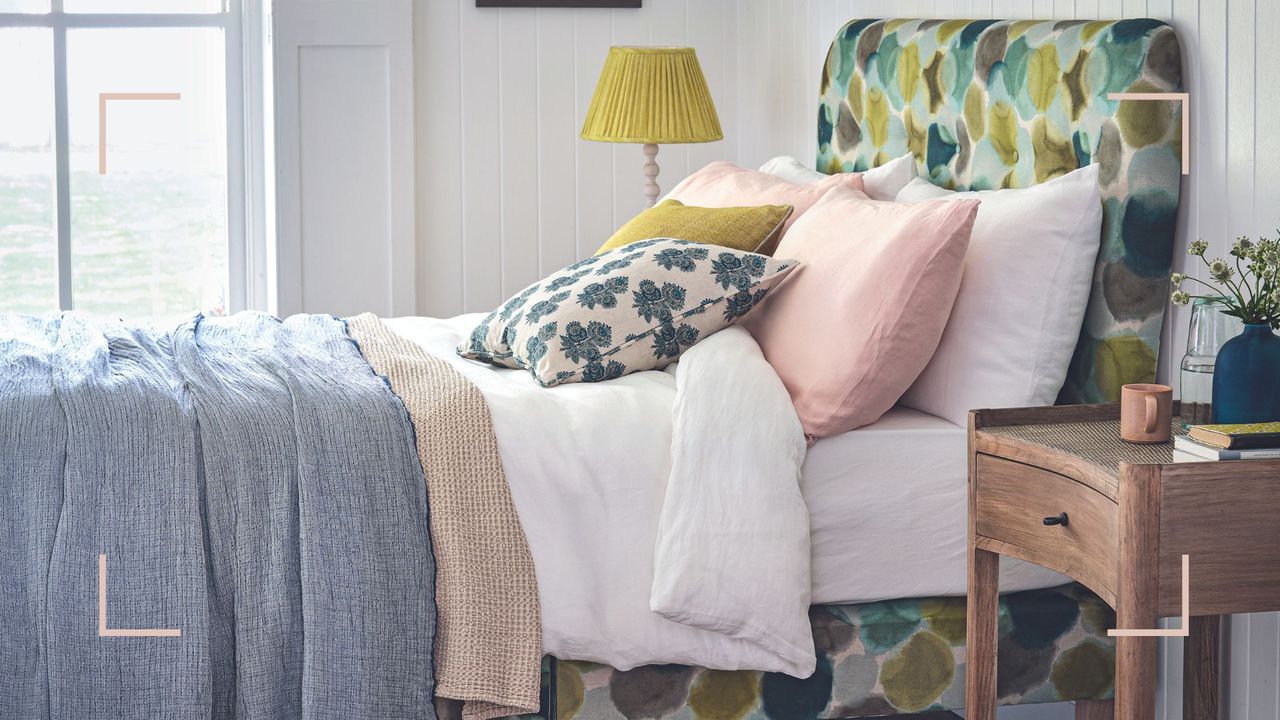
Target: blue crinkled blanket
<point>251,482</point>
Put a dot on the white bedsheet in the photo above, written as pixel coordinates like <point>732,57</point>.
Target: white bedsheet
<point>887,511</point>
<point>588,466</point>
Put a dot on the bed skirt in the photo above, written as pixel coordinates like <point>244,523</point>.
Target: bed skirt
<point>882,658</point>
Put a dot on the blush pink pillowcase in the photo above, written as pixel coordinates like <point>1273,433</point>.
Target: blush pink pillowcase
<point>723,184</point>
<point>857,322</point>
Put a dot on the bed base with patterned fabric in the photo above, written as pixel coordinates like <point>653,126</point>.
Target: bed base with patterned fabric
<point>874,659</point>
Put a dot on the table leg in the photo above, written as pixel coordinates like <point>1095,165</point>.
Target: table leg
<point>1138,594</point>
<point>1095,710</point>
<point>1200,669</point>
<point>982,626</point>
<point>1136,671</point>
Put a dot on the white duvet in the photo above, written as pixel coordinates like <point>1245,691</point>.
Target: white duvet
<point>663,509</point>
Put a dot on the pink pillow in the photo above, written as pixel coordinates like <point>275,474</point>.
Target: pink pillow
<point>723,184</point>
<point>857,322</point>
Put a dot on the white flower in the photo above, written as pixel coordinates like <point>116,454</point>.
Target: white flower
<point>1221,271</point>
<point>1198,247</point>
<point>1177,279</point>
<point>1180,297</point>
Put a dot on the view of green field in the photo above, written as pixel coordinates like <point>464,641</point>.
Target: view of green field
<point>142,242</point>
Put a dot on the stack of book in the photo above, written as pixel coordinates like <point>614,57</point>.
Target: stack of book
<point>1253,441</point>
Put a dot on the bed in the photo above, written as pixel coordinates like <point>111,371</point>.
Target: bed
<point>888,566</point>
<point>668,558</point>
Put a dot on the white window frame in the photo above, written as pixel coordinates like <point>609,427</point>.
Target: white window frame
<point>249,239</point>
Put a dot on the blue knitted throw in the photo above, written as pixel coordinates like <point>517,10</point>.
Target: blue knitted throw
<point>252,484</point>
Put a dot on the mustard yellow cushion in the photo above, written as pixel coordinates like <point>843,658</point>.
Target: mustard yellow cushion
<point>749,229</point>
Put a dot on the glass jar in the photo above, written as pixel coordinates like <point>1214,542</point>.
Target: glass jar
<point>1210,330</point>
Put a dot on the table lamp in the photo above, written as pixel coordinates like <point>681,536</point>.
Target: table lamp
<point>652,95</point>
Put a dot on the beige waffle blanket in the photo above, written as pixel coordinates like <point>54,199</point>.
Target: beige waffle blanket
<point>489,633</point>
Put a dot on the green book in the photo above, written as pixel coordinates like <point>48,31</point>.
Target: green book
<point>1238,437</point>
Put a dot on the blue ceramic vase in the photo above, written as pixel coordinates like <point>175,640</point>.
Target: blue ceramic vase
<point>1246,378</point>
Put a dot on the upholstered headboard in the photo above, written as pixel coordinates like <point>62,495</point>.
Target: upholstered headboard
<point>996,103</point>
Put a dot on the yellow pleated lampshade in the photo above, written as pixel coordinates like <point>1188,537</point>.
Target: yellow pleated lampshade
<point>652,95</point>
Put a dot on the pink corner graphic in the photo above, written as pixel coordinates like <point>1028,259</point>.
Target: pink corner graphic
<point>102,118</point>
<point>1185,99</point>
<point>103,630</point>
<point>1185,629</point>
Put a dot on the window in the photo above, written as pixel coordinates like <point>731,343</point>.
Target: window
<point>125,158</point>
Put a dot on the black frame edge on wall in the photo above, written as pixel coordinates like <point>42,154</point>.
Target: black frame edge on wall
<point>560,3</point>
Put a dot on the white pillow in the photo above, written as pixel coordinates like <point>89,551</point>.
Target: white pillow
<point>881,183</point>
<point>1026,282</point>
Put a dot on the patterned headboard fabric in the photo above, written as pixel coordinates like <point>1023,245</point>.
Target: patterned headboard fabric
<point>988,104</point>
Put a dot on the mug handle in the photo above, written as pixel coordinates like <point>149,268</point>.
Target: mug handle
<point>1153,413</point>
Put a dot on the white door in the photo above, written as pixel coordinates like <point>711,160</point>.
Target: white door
<point>344,156</point>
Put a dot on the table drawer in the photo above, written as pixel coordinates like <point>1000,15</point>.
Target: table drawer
<point>1011,501</point>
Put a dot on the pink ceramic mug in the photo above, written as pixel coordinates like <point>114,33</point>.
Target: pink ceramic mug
<point>1146,412</point>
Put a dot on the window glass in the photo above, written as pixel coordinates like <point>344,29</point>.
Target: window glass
<point>148,236</point>
<point>138,6</point>
<point>28,235</point>
<point>24,6</point>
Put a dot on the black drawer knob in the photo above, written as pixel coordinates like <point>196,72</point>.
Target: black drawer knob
<point>1060,519</point>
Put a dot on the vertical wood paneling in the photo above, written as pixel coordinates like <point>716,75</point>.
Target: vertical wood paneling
<point>594,170</point>
<point>556,140</point>
<point>517,141</point>
<point>706,30</point>
<point>437,182</point>
<point>481,190</point>
<point>1240,120</point>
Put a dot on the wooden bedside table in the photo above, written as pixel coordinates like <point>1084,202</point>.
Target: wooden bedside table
<point>1058,487</point>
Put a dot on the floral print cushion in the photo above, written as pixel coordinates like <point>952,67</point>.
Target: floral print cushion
<point>635,308</point>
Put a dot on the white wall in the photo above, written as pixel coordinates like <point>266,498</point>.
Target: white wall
<point>506,191</point>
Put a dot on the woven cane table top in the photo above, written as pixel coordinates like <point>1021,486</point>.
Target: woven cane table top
<point>1095,441</point>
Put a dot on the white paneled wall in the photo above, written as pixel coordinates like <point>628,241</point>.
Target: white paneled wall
<point>506,191</point>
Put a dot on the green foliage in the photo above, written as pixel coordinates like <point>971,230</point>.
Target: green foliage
<point>1249,286</point>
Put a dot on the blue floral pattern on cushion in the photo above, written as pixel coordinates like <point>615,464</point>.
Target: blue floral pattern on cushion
<point>542,308</point>
<point>511,306</point>
<point>480,334</point>
<point>636,308</point>
<point>605,294</point>
<point>579,342</point>
<point>731,269</point>
<point>599,372</point>
<point>619,263</point>
<point>741,302</point>
<point>567,280</point>
<point>536,348</point>
<point>684,259</point>
<point>658,303</point>
<point>670,341</point>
